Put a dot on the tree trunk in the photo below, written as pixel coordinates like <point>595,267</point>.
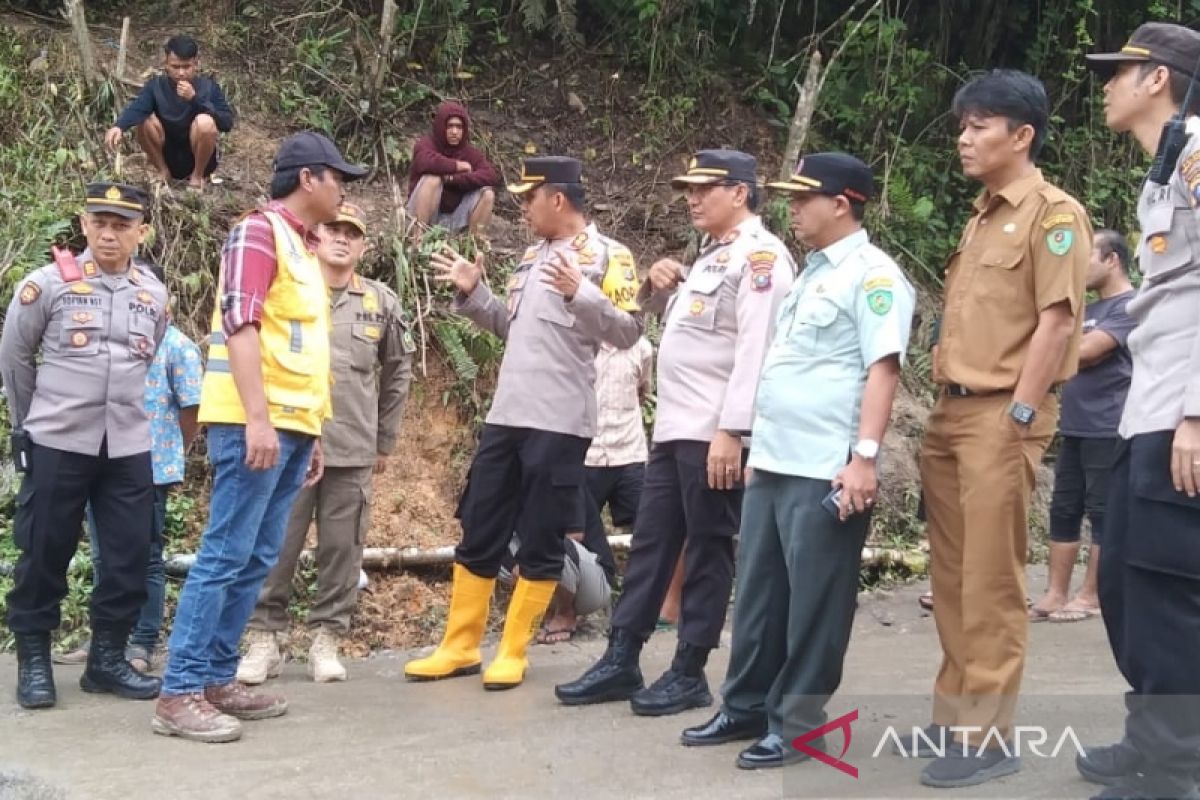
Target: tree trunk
<point>83,42</point>
<point>806,104</point>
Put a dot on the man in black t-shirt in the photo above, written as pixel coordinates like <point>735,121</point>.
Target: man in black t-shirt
<point>177,117</point>
<point>1092,403</point>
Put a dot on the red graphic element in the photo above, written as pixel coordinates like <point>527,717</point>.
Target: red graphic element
<point>801,743</point>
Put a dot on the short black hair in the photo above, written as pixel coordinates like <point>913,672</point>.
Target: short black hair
<point>1179,83</point>
<point>181,46</point>
<point>1109,242</point>
<point>1017,96</point>
<point>857,210</point>
<point>574,193</point>
<point>286,181</point>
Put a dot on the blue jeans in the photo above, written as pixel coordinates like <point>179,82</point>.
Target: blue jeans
<point>247,519</point>
<point>149,624</point>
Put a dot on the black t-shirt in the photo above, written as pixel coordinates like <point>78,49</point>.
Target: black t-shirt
<point>1093,400</point>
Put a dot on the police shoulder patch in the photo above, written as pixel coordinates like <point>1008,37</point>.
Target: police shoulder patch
<point>29,293</point>
<point>1189,170</point>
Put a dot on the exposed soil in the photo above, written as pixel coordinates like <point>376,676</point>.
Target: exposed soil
<point>520,104</point>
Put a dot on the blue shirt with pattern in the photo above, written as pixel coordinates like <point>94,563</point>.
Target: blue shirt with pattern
<point>172,383</point>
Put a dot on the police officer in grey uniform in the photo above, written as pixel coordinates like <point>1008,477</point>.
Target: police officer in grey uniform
<point>81,435</point>
<point>571,290</point>
<point>718,322</point>
<point>1150,562</point>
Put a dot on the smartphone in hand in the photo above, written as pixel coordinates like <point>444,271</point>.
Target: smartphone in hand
<point>832,503</point>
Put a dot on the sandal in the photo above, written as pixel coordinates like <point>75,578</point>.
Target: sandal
<point>559,636</point>
<point>925,601</point>
<point>1040,614</point>
<point>1076,614</point>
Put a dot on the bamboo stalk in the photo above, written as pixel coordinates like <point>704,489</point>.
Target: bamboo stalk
<point>387,559</point>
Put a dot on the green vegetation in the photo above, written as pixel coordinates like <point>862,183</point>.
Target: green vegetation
<point>660,77</point>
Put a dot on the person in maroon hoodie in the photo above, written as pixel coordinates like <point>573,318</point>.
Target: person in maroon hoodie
<point>450,181</point>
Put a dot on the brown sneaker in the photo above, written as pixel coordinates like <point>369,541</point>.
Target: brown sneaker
<point>237,700</point>
<point>190,716</point>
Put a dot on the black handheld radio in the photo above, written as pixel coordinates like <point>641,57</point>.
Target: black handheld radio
<point>1174,137</point>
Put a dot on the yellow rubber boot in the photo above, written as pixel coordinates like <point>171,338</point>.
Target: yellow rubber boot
<point>525,611</point>
<point>458,654</point>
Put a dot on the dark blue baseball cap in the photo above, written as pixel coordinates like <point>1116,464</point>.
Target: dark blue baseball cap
<point>310,149</point>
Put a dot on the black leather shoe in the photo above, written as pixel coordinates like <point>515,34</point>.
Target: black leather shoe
<point>723,728</point>
<point>772,751</point>
<point>1108,764</point>
<point>108,672</point>
<point>35,677</point>
<point>672,693</point>
<point>616,676</point>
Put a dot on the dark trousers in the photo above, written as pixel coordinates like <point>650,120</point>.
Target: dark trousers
<point>797,587</point>
<point>521,480</point>
<point>150,619</point>
<point>1081,474</point>
<point>619,488</point>
<point>1150,599</point>
<point>48,524</point>
<point>677,505</point>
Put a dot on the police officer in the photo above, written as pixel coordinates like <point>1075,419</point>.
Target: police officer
<point>719,316</point>
<point>572,290</point>
<point>1010,332</point>
<point>1150,563</point>
<point>82,435</point>
<point>823,405</point>
<point>371,358</point>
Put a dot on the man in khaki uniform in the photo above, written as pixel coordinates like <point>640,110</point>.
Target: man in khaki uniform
<point>718,320</point>
<point>371,351</point>
<point>1009,333</point>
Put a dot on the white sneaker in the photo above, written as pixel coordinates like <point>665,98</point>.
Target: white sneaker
<point>262,660</point>
<point>323,663</point>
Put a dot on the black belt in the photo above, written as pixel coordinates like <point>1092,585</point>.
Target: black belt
<point>955,390</point>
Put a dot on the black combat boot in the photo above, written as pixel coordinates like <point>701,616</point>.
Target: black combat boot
<point>35,678</point>
<point>616,676</point>
<point>681,687</point>
<point>108,671</point>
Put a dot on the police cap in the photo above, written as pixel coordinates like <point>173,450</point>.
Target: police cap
<point>1173,46</point>
<point>547,169</point>
<point>116,198</point>
<point>718,166</point>
<point>832,174</point>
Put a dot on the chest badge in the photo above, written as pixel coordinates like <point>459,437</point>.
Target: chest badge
<point>82,317</point>
<point>79,339</point>
<point>1158,244</point>
<point>145,298</point>
<point>81,288</point>
<point>371,331</point>
<point>370,303</point>
<point>696,308</point>
<point>723,257</point>
<point>579,241</point>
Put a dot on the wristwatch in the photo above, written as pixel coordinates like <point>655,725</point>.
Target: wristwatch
<point>867,448</point>
<point>1021,413</point>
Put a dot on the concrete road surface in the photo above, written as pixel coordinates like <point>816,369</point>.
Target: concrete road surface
<point>377,736</point>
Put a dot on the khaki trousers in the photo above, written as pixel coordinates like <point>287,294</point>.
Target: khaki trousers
<point>341,505</point>
<point>977,473</point>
